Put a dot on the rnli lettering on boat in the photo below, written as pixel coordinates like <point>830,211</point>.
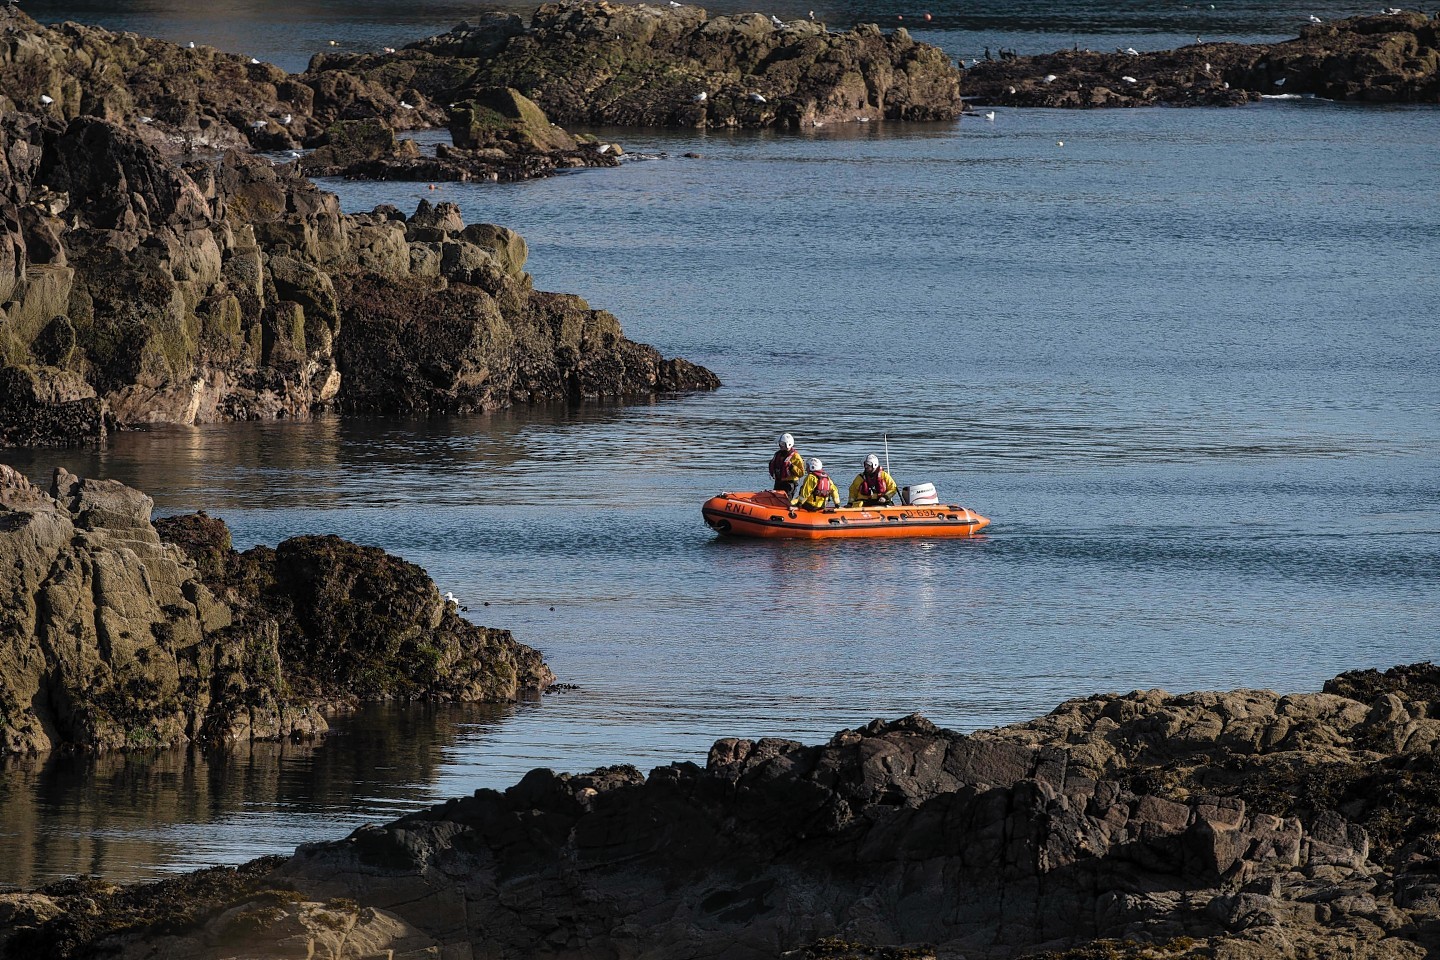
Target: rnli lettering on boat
<point>769,514</point>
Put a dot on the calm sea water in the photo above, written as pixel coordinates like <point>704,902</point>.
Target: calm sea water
<point>1188,362</point>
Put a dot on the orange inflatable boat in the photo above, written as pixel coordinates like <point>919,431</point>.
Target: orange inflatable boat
<point>769,514</point>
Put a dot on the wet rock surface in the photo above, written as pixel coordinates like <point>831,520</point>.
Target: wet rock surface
<point>1116,825</point>
<point>1379,58</point>
<point>118,633</point>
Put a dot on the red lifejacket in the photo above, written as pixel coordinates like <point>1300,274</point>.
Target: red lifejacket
<point>823,486</point>
<point>872,486</point>
<point>777,463</point>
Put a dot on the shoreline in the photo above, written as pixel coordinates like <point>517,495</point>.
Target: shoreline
<point>1206,782</point>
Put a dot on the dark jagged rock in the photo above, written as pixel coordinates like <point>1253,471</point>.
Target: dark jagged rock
<point>1384,58</point>
<point>118,633</point>
<point>1094,832</point>
<point>647,65</point>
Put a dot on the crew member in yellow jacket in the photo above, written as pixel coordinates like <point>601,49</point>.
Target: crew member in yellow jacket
<point>787,466</point>
<point>872,487</point>
<point>817,488</point>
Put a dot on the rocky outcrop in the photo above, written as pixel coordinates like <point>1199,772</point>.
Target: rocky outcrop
<point>498,135</point>
<point>1117,826</point>
<point>119,633</point>
<point>186,98</point>
<point>136,291</point>
<point>1381,58</point>
<point>600,63</point>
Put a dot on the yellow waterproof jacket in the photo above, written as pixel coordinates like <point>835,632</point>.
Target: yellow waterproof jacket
<point>789,470</point>
<point>811,496</point>
<point>857,491</point>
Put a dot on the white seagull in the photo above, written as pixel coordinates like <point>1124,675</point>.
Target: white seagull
<point>1132,51</point>
<point>253,60</point>
<point>1280,82</point>
<point>191,44</point>
<point>285,120</point>
<point>990,115</point>
<point>673,3</point>
<point>776,21</point>
<point>1051,78</point>
<point>258,124</point>
<point>405,106</point>
<point>46,99</point>
<point>450,598</point>
<point>1314,19</point>
<point>757,98</point>
<point>1129,79</point>
<point>701,97</point>
<point>147,119</point>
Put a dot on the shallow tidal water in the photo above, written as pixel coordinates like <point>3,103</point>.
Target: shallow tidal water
<point>1188,362</point>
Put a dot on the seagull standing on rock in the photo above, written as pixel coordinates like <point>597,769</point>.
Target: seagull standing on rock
<point>757,98</point>
<point>701,97</point>
<point>405,106</point>
<point>1315,19</point>
<point>1132,51</point>
<point>776,21</point>
<point>46,99</point>
<point>1281,82</point>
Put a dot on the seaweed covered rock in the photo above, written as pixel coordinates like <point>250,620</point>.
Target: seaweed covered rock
<point>1379,58</point>
<point>113,637</point>
<point>1108,828</point>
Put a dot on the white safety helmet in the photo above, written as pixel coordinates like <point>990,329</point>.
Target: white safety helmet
<point>786,442</point>
<point>814,465</point>
<point>872,463</point>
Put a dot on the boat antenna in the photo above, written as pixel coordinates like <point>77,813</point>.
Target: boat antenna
<point>886,438</point>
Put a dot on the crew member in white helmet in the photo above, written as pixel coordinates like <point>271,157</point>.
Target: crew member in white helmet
<point>872,486</point>
<point>787,466</point>
<point>817,488</point>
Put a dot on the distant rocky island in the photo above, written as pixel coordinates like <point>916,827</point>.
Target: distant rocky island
<point>1376,58</point>
<point>1245,824</point>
